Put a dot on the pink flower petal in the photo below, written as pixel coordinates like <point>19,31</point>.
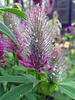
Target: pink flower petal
<point>39,70</point>
<point>49,68</point>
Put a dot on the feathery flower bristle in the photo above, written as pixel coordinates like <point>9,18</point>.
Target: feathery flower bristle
<point>37,41</point>
<point>58,60</point>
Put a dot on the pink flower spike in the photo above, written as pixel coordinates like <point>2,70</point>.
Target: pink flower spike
<point>37,40</point>
<point>49,68</point>
<point>39,70</point>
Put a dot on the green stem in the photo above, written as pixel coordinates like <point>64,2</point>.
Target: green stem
<point>39,78</point>
<point>37,74</point>
<point>15,58</point>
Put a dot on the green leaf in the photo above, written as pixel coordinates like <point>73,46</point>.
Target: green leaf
<point>46,88</point>
<point>19,67</point>
<point>59,96</point>
<point>64,38</point>
<point>1,90</point>
<point>36,82</point>
<point>1,12</point>
<point>15,11</point>
<point>66,80</point>
<point>68,88</point>
<point>3,72</point>
<point>19,79</point>
<point>58,37</point>
<point>30,96</point>
<point>17,92</point>
<point>30,77</point>
<point>4,29</point>
<point>71,72</point>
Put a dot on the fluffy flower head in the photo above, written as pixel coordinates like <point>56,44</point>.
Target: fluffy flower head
<point>12,22</point>
<point>57,59</point>
<point>37,41</point>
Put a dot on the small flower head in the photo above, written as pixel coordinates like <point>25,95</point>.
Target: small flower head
<point>12,23</point>
<point>57,59</point>
<point>2,51</point>
<point>37,41</point>
<point>66,44</point>
<point>72,29</point>
<point>72,51</point>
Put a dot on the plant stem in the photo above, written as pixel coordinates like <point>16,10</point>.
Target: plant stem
<point>15,58</point>
<point>37,74</point>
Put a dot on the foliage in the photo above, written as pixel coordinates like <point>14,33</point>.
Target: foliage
<point>18,82</point>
